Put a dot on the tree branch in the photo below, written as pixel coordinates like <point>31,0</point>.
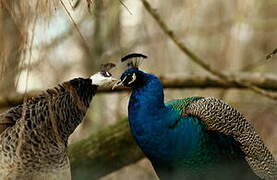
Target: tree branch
<point>198,60</point>
<point>91,158</point>
<point>176,82</point>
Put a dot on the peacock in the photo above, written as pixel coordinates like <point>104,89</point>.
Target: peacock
<point>34,135</point>
<point>195,137</point>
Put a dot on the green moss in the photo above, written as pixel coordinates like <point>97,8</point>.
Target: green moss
<point>104,152</point>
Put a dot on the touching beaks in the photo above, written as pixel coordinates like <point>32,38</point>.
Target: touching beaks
<point>100,80</point>
<point>126,81</point>
<point>113,79</point>
<point>119,83</point>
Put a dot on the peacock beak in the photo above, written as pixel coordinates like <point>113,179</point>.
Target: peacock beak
<point>119,83</point>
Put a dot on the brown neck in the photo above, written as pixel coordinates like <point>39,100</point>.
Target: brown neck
<point>56,113</point>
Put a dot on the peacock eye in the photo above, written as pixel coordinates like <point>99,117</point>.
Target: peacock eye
<point>132,78</point>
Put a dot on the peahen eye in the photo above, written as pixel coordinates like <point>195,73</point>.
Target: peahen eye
<point>106,74</point>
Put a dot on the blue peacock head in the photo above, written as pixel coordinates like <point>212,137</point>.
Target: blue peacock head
<point>132,76</point>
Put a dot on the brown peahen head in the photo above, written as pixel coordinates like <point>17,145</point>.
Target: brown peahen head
<point>85,89</point>
<point>72,99</point>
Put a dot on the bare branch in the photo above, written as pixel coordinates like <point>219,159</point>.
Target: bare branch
<point>124,5</point>
<point>84,42</point>
<point>176,82</point>
<point>198,60</point>
<point>269,56</point>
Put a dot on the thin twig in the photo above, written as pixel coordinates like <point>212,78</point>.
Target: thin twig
<point>76,26</point>
<point>124,5</point>
<point>71,5</point>
<point>269,56</point>
<point>197,59</point>
<point>76,4</point>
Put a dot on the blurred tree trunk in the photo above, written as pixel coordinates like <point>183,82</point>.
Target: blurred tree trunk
<point>12,41</point>
<point>105,36</point>
<point>93,57</point>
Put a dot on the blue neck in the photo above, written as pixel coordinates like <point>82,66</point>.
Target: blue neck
<point>148,94</point>
<point>146,103</point>
<point>148,115</point>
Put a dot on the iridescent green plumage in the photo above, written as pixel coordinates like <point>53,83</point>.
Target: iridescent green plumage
<point>181,104</point>
<point>215,156</point>
<point>194,138</point>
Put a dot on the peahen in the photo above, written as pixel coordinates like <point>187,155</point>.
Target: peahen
<point>33,139</point>
<point>194,137</point>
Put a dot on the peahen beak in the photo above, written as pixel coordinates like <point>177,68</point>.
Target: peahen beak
<point>100,80</point>
<point>104,77</point>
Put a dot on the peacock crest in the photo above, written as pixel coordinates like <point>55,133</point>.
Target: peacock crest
<point>133,60</point>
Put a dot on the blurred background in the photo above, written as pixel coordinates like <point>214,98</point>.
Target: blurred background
<point>44,43</point>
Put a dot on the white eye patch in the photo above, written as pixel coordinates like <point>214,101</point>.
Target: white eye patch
<point>134,77</point>
<point>101,80</point>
